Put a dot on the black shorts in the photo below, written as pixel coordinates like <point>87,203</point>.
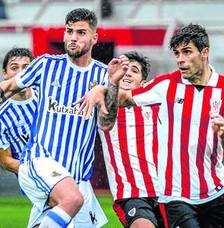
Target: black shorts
<point>207,215</point>
<point>128,210</point>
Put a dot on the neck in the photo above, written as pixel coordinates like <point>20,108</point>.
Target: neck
<point>83,61</point>
<point>202,78</point>
<point>23,95</point>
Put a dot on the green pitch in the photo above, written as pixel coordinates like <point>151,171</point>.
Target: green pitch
<point>14,212</point>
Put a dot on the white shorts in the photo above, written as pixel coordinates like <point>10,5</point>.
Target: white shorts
<point>91,213</point>
<point>47,172</point>
<point>37,178</point>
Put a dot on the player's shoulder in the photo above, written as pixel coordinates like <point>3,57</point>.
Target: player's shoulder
<point>5,107</point>
<point>100,64</point>
<point>173,76</point>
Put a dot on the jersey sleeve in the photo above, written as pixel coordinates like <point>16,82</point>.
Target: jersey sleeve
<point>32,74</point>
<point>148,95</point>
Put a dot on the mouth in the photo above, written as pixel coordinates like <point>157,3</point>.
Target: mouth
<point>73,46</point>
<point>127,81</point>
<point>183,69</point>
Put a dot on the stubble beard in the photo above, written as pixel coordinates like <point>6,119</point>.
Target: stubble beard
<point>76,54</point>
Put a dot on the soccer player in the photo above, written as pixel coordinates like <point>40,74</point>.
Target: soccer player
<point>130,154</point>
<point>16,115</point>
<point>61,145</point>
<point>190,155</point>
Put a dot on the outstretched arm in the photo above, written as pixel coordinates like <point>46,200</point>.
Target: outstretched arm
<point>7,89</point>
<point>116,69</point>
<point>114,97</point>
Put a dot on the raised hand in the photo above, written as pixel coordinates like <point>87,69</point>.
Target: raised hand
<point>117,68</point>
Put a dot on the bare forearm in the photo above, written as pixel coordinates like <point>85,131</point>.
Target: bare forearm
<point>111,101</point>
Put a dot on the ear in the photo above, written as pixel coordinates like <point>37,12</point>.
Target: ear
<point>95,38</point>
<point>205,52</point>
<point>4,75</point>
<point>142,83</point>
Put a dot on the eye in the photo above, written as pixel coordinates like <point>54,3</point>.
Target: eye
<point>187,52</point>
<point>14,68</point>
<point>69,31</point>
<point>81,32</point>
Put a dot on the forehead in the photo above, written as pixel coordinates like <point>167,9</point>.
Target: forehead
<point>136,64</point>
<point>79,25</point>
<point>183,45</point>
<point>18,60</point>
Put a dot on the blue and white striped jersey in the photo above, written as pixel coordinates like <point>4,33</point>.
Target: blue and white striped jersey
<point>16,119</point>
<point>59,131</point>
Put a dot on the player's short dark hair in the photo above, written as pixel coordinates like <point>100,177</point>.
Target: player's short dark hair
<point>192,32</point>
<point>82,14</point>
<point>142,60</point>
<point>16,52</point>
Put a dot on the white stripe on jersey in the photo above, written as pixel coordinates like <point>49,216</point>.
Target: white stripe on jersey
<point>190,154</point>
<point>16,119</point>
<point>130,153</point>
<point>60,132</point>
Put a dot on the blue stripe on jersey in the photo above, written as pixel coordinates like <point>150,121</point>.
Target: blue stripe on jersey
<point>65,102</point>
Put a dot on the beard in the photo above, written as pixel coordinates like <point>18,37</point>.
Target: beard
<point>77,53</point>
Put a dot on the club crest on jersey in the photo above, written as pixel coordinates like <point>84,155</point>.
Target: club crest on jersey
<point>215,105</point>
<point>93,84</point>
<point>53,106</point>
<point>55,174</point>
<point>132,212</point>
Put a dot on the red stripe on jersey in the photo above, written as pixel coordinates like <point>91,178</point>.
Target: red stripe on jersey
<point>122,134</point>
<point>184,138</point>
<point>169,169</point>
<point>155,111</point>
<point>220,81</point>
<point>140,144</point>
<point>120,185</point>
<point>201,149</point>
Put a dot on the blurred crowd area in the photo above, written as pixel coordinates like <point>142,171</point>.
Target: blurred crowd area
<point>131,20</point>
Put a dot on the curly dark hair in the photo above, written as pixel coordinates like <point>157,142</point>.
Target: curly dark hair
<point>16,52</point>
<point>192,32</point>
<point>142,60</point>
<point>82,14</point>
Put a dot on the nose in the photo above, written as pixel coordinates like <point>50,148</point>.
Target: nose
<point>128,73</point>
<point>74,36</point>
<point>180,58</point>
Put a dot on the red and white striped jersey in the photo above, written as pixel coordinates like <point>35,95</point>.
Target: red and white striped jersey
<point>130,153</point>
<point>190,154</point>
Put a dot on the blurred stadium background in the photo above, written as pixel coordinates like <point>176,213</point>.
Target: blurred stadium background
<point>143,25</point>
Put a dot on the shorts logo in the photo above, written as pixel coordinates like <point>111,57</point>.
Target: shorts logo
<point>93,217</point>
<point>132,212</point>
<point>55,174</point>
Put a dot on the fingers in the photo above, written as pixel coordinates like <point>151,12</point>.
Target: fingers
<point>217,123</point>
<point>103,110</point>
